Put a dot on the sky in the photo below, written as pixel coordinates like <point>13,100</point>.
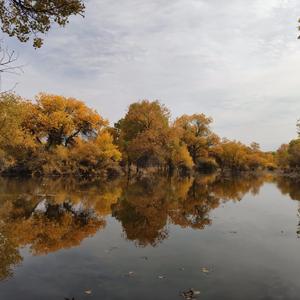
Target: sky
<point>237,61</point>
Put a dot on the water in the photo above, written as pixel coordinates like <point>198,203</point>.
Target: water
<point>229,238</point>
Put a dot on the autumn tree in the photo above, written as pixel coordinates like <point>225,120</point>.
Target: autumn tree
<point>56,135</point>
<point>24,19</point>
<point>146,138</point>
<point>98,156</point>
<point>236,156</point>
<point>176,155</point>
<point>255,146</point>
<point>282,156</point>
<point>288,155</point>
<point>61,135</point>
<point>16,142</point>
<point>141,133</point>
<point>293,152</point>
<point>57,120</point>
<point>194,130</point>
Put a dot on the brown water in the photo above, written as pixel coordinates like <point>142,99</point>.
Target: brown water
<point>230,238</point>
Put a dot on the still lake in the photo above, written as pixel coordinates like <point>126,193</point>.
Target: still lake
<point>228,238</point>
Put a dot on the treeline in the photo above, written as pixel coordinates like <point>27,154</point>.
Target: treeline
<point>288,155</point>
<point>55,135</point>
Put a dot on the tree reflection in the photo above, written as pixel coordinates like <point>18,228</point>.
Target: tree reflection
<point>142,210</point>
<point>291,187</point>
<point>147,206</point>
<point>49,215</point>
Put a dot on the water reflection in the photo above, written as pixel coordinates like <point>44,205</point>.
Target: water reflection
<point>291,187</point>
<point>147,206</point>
<point>49,215</point>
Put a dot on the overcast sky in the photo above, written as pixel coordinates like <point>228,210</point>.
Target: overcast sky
<point>237,61</point>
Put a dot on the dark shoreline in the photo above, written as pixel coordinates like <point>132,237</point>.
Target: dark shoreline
<point>145,173</point>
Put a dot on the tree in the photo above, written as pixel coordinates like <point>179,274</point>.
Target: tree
<point>94,157</point>
<point>8,65</point>
<point>57,120</point>
<point>235,156</point>
<point>55,135</point>
<point>146,138</point>
<point>288,155</point>
<point>255,146</point>
<point>8,60</point>
<point>294,153</point>
<point>16,142</point>
<point>30,18</point>
<point>141,134</point>
<point>194,130</point>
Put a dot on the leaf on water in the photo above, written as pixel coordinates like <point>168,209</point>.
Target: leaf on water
<point>205,270</point>
<point>130,274</point>
<point>190,294</point>
<point>111,249</point>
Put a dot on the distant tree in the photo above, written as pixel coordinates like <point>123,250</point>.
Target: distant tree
<point>294,153</point>
<point>236,156</point>
<point>255,146</point>
<point>15,141</point>
<point>231,155</point>
<point>141,133</point>
<point>57,120</point>
<point>54,135</point>
<point>194,130</point>
<point>30,18</point>
<point>282,156</point>
<point>288,155</point>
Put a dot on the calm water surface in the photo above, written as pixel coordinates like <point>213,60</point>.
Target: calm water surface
<point>230,238</point>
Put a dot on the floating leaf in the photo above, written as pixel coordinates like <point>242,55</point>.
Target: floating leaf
<point>190,294</point>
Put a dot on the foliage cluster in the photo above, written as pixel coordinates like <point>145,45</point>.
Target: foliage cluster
<point>31,18</point>
<point>147,137</point>
<point>288,156</point>
<point>55,135</point>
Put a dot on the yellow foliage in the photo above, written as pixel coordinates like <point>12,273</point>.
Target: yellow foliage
<point>61,135</point>
<point>181,157</point>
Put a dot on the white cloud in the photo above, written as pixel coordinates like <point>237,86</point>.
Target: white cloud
<point>236,60</point>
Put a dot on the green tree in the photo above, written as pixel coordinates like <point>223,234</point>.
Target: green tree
<point>30,18</point>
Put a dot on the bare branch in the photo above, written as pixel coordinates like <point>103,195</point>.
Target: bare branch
<point>8,59</point>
